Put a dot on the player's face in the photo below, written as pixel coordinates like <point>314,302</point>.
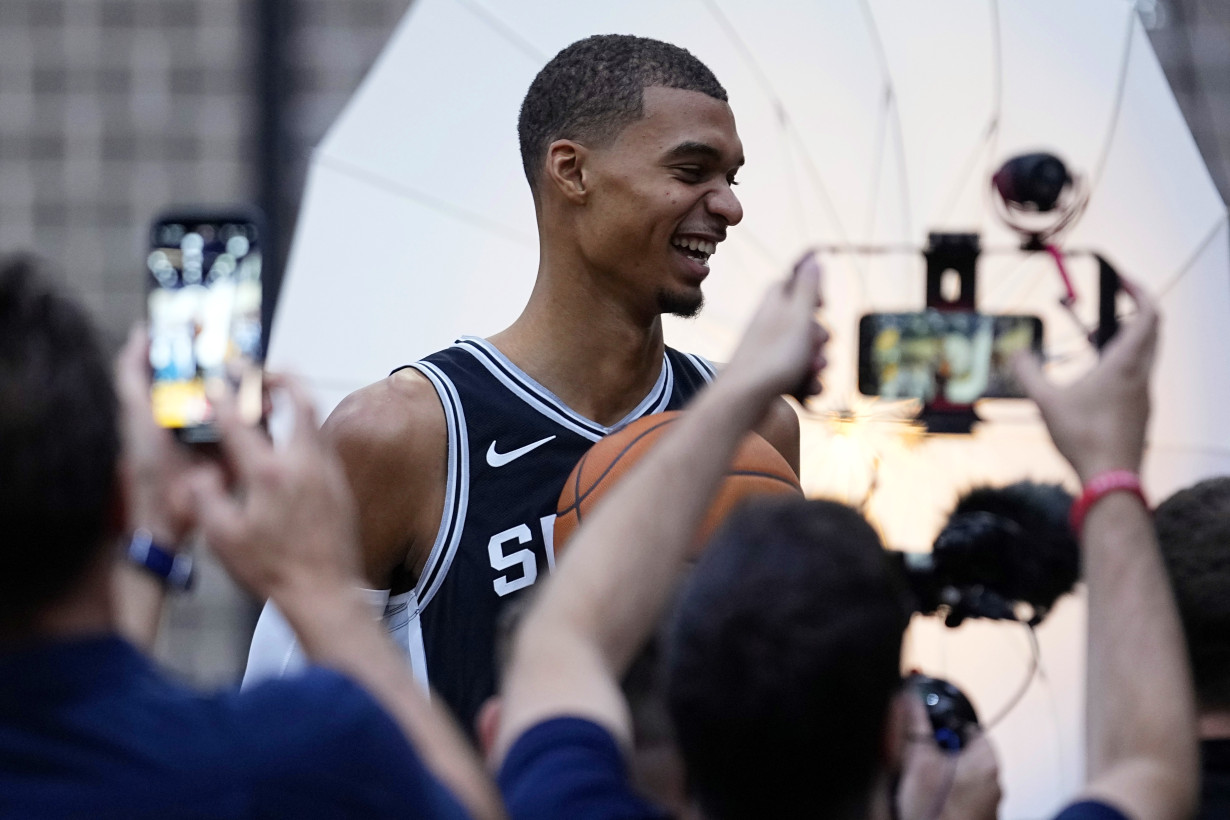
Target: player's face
<point>662,198</point>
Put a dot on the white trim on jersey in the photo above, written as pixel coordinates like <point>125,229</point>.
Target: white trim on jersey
<point>406,630</point>
<point>548,404</point>
<point>703,366</point>
<point>456,490</point>
<point>275,651</point>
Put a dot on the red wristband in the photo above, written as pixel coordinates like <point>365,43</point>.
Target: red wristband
<point>1100,486</point>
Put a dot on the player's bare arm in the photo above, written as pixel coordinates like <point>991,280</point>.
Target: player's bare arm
<point>780,427</point>
<point>393,444</point>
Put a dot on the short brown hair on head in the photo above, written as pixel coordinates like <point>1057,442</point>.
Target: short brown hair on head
<point>59,443</point>
<point>1193,532</point>
<point>783,660</point>
<point>593,89</point>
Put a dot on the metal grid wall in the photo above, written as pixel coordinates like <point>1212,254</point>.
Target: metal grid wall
<point>110,110</point>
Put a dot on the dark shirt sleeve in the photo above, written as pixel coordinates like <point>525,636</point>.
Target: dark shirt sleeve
<point>566,768</point>
<point>326,748</point>
<point>1090,810</point>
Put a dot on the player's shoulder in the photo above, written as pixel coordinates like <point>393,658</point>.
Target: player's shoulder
<point>390,415</point>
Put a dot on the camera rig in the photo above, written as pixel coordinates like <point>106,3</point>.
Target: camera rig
<point>953,258</point>
<point>1038,198</point>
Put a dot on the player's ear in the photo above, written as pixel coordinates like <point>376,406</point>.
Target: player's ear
<point>487,725</point>
<point>565,169</point>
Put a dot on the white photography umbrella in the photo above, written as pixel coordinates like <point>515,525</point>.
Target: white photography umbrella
<point>865,123</point>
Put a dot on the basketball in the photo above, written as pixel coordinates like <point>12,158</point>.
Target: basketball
<point>757,469</point>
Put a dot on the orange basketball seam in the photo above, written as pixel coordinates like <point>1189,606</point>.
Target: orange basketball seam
<point>580,498</point>
<point>758,474</point>
<point>576,472</point>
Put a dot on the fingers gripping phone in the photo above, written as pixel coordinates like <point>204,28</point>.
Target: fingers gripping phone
<point>203,304</point>
<point>947,356</point>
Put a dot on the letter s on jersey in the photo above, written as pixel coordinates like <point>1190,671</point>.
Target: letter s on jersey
<point>523,558</point>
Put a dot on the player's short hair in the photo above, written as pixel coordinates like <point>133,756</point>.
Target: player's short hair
<point>59,443</point>
<point>593,89</point>
<point>783,659</point>
<point>1193,531</point>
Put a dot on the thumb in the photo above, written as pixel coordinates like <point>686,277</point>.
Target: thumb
<point>131,377</point>
<point>918,721</point>
<point>218,514</point>
<point>1028,371</point>
<point>804,280</point>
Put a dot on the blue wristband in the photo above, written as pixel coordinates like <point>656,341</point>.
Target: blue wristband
<point>174,569</point>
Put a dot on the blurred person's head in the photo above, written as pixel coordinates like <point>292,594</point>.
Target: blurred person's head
<point>1193,532</point>
<point>657,770</point>
<point>59,446</point>
<point>784,660</point>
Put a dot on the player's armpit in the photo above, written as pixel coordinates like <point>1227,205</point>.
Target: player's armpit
<point>393,443</point>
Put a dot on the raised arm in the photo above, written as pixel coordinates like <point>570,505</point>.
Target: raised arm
<point>292,536</point>
<point>605,597</point>
<point>1140,734</point>
<point>157,474</point>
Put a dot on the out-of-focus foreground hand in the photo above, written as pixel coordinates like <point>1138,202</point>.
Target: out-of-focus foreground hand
<point>158,472</point>
<point>937,784</point>
<point>291,526</point>
<point>783,346</point>
<point>1098,422</point>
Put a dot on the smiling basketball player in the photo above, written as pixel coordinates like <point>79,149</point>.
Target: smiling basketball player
<point>457,460</point>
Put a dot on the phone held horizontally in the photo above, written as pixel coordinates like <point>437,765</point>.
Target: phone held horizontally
<point>953,357</point>
<point>204,312</point>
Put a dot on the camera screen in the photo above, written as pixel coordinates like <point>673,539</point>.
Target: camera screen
<point>953,357</point>
<point>204,308</point>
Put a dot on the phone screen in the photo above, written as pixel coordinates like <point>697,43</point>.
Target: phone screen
<point>943,356</point>
<point>204,313</point>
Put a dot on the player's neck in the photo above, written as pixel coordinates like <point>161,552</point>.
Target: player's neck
<point>597,359</point>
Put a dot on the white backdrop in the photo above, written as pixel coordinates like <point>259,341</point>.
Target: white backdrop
<point>863,121</point>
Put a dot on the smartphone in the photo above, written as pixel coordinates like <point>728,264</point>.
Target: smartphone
<point>953,357</point>
<point>203,304</point>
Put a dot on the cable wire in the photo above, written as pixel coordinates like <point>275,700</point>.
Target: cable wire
<point>1035,662</point>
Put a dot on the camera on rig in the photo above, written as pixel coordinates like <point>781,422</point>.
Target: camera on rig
<point>1006,553</point>
<point>1038,197</point>
<point>950,712</point>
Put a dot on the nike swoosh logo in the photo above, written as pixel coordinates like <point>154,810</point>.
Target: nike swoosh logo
<point>496,459</point>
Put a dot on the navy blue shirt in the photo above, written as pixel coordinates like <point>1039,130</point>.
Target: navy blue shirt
<point>89,728</point>
<point>567,768</point>
<point>570,768</point>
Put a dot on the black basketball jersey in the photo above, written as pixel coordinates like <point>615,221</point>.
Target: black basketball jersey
<point>511,446</point>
